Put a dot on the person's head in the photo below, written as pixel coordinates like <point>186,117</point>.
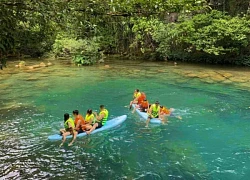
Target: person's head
<point>161,107</point>
<point>157,103</point>
<point>66,117</point>
<point>75,113</point>
<point>102,107</point>
<point>137,90</point>
<point>89,111</point>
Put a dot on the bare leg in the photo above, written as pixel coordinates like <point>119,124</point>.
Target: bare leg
<point>74,137</point>
<point>88,126</point>
<point>136,107</point>
<point>64,137</point>
<point>149,117</point>
<point>130,104</point>
<point>62,131</point>
<point>93,128</point>
<point>163,118</point>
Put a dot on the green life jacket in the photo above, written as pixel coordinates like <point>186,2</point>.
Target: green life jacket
<point>155,110</point>
<point>105,118</point>
<point>71,121</point>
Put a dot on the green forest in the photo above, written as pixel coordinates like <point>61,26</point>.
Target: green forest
<point>206,31</point>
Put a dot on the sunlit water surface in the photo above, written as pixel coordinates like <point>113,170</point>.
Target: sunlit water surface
<point>211,142</point>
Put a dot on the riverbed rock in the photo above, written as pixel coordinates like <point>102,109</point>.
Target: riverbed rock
<point>192,75</point>
<point>32,79</point>
<point>30,67</point>
<point>227,81</point>
<point>49,64</point>
<point>161,70</point>
<point>203,76</point>
<point>227,75</point>
<point>217,77</point>
<point>21,64</point>
<point>42,64</point>
<point>107,66</point>
<point>239,79</point>
<point>36,66</point>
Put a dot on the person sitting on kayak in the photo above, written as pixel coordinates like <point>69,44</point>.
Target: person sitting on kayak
<point>69,126</point>
<point>101,119</point>
<point>79,122</point>
<point>154,112</point>
<point>136,95</point>
<point>141,98</point>
<point>164,112</point>
<point>90,119</point>
<point>143,106</point>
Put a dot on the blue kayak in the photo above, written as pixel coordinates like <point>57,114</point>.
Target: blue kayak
<point>145,116</point>
<point>109,124</point>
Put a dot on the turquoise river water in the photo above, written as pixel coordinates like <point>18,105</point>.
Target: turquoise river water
<point>211,142</point>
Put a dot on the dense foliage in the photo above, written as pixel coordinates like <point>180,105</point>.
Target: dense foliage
<point>210,37</point>
<point>213,31</point>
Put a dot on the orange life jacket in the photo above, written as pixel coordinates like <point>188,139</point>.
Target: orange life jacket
<point>164,110</point>
<point>145,104</point>
<point>79,118</point>
<point>141,98</point>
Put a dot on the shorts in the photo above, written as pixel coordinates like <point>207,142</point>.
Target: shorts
<point>143,109</point>
<point>80,131</point>
<point>153,117</point>
<point>99,125</point>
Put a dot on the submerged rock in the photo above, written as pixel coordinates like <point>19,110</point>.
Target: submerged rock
<point>239,79</point>
<point>227,75</point>
<point>203,76</point>
<point>217,77</point>
<point>192,75</point>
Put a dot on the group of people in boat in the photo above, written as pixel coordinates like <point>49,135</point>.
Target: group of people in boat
<point>154,110</point>
<point>94,121</point>
<point>79,125</point>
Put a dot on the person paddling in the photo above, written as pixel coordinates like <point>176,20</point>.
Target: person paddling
<point>143,106</point>
<point>164,112</point>
<point>154,112</point>
<point>69,126</point>
<point>101,119</point>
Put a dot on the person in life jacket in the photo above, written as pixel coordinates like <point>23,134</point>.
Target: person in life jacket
<point>136,96</point>
<point>154,112</point>
<point>164,112</point>
<point>69,127</point>
<point>141,98</point>
<point>143,106</point>
<point>101,119</point>
<point>79,122</point>
<point>89,119</point>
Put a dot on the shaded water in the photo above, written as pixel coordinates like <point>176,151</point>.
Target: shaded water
<point>211,142</point>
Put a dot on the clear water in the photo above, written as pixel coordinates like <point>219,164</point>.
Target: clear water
<point>211,142</point>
